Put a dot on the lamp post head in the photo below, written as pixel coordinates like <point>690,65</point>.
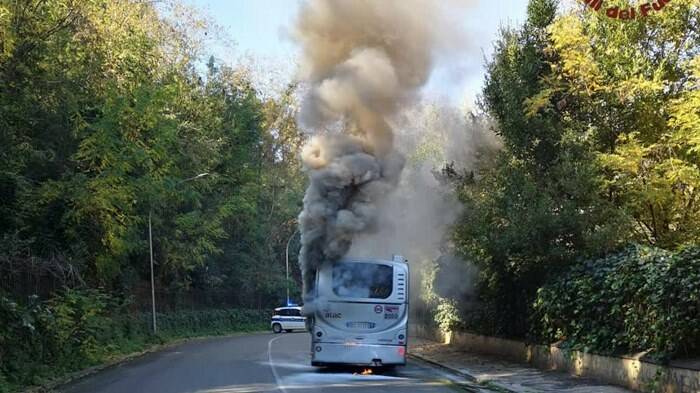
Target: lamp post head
<point>201,175</point>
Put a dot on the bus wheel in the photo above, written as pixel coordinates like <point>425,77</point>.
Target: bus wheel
<point>277,328</point>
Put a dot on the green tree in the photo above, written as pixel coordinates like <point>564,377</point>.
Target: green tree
<point>598,118</point>
<point>629,89</point>
<point>105,110</point>
<point>542,206</point>
<point>513,77</point>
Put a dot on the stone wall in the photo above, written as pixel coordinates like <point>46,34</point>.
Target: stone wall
<point>627,371</point>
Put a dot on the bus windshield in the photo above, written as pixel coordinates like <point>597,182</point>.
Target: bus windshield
<point>362,280</point>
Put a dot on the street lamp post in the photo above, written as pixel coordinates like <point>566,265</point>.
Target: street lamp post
<point>153,287</point>
<point>150,246</point>
<point>287,261</point>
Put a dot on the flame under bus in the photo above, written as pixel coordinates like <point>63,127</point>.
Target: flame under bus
<point>360,313</point>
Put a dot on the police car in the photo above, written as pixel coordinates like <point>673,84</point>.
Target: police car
<point>287,319</point>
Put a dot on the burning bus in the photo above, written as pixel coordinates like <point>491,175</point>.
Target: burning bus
<point>362,66</point>
<point>359,313</point>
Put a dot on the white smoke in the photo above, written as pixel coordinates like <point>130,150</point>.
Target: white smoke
<point>417,217</point>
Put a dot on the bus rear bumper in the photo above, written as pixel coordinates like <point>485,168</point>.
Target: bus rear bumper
<point>358,354</point>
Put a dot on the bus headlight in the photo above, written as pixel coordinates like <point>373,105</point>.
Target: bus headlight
<point>319,334</point>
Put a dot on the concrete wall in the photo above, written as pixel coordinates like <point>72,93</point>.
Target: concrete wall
<point>626,371</point>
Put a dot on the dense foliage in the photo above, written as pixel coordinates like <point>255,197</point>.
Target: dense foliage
<point>112,115</point>
<point>108,114</point>
<point>599,121</point>
<point>640,298</point>
<point>75,329</point>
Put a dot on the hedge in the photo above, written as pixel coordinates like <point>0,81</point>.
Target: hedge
<point>642,299</point>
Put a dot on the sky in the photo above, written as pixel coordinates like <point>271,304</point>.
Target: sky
<point>260,30</point>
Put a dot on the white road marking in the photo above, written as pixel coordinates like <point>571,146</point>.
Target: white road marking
<point>272,364</point>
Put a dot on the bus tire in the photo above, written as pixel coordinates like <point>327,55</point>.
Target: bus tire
<point>277,328</point>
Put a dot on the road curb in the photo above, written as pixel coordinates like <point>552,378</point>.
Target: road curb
<point>461,373</point>
<point>50,386</point>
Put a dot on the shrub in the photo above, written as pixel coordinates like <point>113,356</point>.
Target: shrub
<point>447,316</point>
<point>210,322</point>
<point>637,300</point>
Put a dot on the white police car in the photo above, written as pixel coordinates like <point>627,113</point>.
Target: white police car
<point>287,319</point>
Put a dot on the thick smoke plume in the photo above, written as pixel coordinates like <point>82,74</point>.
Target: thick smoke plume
<point>363,60</point>
<point>418,216</point>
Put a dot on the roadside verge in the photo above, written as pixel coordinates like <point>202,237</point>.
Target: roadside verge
<point>494,373</point>
<point>631,372</point>
<point>417,351</point>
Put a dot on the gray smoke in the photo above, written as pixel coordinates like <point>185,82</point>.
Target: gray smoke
<point>417,217</point>
<point>345,183</point>
<point>363,60</point>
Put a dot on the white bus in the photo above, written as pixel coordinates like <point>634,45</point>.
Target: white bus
<point>360,313</point>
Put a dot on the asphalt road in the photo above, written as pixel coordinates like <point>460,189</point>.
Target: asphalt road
<point>254,363</point>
